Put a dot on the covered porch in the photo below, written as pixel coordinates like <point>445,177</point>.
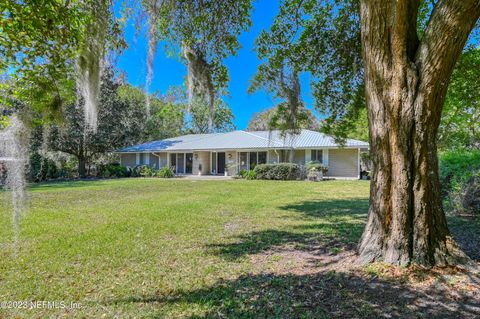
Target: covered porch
<point>221,162</point>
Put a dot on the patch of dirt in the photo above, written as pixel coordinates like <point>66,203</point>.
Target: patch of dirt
<point>402,292</point>
<point>290,260</point>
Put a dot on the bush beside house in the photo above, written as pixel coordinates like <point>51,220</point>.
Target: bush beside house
<point>282,171</point>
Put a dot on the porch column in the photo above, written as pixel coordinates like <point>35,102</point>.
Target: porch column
<point>358,166</point>
<point>325,157</point>
<point>137,159</point>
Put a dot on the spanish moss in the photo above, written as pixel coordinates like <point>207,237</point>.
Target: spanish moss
<point>90,62</point>
<point>152,49</point>
<point>199,80</point>
<point>14,156</point>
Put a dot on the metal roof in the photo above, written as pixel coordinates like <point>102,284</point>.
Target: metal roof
<point>242,140</point>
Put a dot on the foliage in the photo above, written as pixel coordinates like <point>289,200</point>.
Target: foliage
<point>205,38</point>
<point>222,118</point>
<point>198,25</point>
<point>281,171</point>
<point>365,161</point>
<point>4,122</point>
<point>42,169</point>
<point>41,43</point>
<point>459,178</point>
<point>323,39</point>
<point>143,171</point>
<point>317,166</point>
<point>267,120</point>
<point>47,165</point>
<point>166,118</point>
<point>166,172</point>
<point>112,170</point>
<point>279,74</point>
<point>457,167</point>
<point>460,124</point>
<point>116,126</point>
<point>148,171</point>
<point>248,174</point>
<point>471,194</point>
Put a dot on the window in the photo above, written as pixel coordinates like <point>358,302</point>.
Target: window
<point>317,155</point>
<point>253,160</point>
<point>256,158</point>
<point>243,159</point>
<point>262,158</point>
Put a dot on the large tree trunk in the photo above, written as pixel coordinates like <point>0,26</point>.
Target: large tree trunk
<point>82,167</point>
<point>406,82</point>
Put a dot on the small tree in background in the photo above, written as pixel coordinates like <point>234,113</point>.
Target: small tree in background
<point>262,121</point>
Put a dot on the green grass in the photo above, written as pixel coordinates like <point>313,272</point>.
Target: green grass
<point>108,244</point>
<point>152,248</point>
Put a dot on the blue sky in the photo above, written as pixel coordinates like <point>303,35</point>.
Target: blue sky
<point>171,71</point>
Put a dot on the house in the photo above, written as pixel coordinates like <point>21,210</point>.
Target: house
<point>228,153</point>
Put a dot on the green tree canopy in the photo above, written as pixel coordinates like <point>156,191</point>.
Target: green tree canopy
<point>460,124</point>
<point>205,32</point>
<point>269,119</point>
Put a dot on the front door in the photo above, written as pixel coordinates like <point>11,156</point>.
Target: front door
<point>189,163</point>
<point>221,163</point>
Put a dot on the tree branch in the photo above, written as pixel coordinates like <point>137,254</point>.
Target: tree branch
<point>447,31</point>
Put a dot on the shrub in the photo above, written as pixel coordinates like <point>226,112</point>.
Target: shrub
<point>166,172</point>
<point>460,179</point>
<point>112,170</point>
<point>282,171</point>
<point>250,175</point>
<point>242,173</point>
<point>247,174</point>
<point>471,195</point>
<point>457,167</point>
<point>143,171</point>
<point>316,165</point>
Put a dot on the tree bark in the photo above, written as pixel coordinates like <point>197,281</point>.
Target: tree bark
<point>81,167</point>
<point>405,85</point>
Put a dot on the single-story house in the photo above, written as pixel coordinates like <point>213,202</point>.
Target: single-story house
<point>228,153</point>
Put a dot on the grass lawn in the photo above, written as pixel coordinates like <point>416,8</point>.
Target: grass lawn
<point>152,248</point>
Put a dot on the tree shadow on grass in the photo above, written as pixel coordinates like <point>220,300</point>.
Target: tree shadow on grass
<point>346,209</point>
<point>328,225</point>
<point>320,295</point>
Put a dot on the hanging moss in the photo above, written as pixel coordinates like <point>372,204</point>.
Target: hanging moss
<point>91,59</point>
<point>200,83</point>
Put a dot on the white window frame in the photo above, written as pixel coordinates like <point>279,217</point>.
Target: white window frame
<point>316,152</point>
<point>248,157</point>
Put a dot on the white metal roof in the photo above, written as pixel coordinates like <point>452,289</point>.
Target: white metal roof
<point>242,140</point>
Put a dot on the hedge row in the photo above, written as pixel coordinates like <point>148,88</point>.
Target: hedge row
<point>282,171</point>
